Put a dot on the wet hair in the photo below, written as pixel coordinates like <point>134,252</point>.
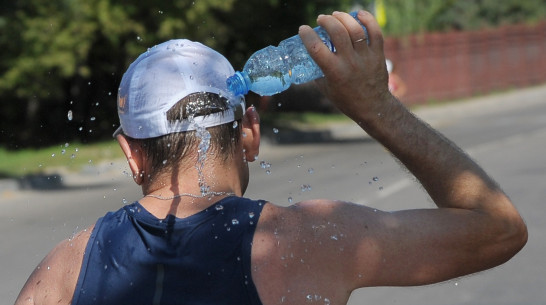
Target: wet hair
<point>166,151</point>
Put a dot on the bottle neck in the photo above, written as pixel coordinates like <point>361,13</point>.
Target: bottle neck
<point>238,83</point>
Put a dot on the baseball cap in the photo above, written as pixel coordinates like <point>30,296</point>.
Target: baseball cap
<point>160,77</point>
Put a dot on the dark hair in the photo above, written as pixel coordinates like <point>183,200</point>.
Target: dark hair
<point>165,152</point>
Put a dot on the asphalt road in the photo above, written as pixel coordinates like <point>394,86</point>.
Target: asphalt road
<point>505,133</point>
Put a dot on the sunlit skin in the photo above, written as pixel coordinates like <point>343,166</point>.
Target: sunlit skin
<point>294,257</point>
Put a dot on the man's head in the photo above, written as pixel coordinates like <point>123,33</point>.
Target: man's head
<point>169,94</point>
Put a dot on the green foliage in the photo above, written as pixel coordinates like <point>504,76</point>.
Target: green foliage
<point>416,16</point>
<point>69,55</point>
<point>71,157</point>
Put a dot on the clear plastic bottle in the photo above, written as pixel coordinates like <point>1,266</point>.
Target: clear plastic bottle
<point>273,69</point>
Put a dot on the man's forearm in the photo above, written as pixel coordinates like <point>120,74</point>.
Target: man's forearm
<point>450,177</point>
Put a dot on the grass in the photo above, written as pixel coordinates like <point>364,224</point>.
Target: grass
<point>75,156</point>
<point>71,157</point>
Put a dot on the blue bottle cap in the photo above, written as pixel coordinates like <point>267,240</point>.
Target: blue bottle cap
<point>237,83</point>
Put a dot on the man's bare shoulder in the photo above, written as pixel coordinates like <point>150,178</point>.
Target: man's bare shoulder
<point>307,245</point>
<point>54,279</point>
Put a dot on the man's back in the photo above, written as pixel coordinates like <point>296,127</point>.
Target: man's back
<point>108,264</point>
<point>134,257</point>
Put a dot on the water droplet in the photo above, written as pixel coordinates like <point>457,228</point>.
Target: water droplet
<point>268,172</point>
<point>92,118</point>
<point>275,130</point>
<point>234,221</point>
<point>305,187</point>
<point>235,124</point>
<point>52,155</point>
<point>70,115</point>
<point>139,38</point>
<point>164,162</point>
<point>251,214</point>
<point>310,171</point>
<point>63,151</point>
<point>375,179</point>
<point>289,199</point>
<point>219,207</point>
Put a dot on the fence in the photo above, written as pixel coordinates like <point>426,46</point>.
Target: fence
<point>439,66</point>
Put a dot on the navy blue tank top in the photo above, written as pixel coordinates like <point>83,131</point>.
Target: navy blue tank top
<point>135,258</point>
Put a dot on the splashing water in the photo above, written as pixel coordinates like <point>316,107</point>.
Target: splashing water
<point>204,145</point>
<point>204,137</point>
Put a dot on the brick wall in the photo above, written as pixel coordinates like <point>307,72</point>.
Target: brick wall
<point>439,66</point>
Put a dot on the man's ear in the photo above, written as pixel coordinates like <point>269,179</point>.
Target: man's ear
<point>251,134</point>
<point>135,157</point>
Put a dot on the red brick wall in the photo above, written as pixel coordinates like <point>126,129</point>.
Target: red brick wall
<point>438,66</point>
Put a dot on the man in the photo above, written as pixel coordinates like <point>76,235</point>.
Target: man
<point>192,239</point>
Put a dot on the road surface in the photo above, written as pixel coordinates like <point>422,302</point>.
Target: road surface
<point>506,134</point>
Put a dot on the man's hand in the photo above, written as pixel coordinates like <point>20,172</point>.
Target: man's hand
<point>356,78</point>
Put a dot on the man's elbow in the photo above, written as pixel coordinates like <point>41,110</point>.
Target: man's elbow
<point>513,235</point>
<point>520,235</point>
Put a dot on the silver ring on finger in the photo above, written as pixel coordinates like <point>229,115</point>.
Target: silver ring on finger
<point>359,40</point>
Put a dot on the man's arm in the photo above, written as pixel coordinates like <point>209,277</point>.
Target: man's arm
<point>54,280</point>
<point>476,226</point>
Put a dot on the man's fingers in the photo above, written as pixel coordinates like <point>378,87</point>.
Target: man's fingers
<point>315,46</point>
<point>337,31</point>
<point>356,33</point>
<point>375,37</point>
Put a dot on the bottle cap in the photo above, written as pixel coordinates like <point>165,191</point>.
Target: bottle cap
<point>237,83</point>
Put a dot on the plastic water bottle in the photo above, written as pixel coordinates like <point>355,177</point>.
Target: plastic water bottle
<point>273,69</point>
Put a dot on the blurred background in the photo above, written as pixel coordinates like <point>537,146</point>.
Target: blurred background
<point>61,61</point>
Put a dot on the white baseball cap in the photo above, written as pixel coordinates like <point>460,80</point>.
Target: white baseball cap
<point>161,77</point>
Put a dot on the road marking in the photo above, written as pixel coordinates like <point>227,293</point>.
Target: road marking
<point>402,184</point>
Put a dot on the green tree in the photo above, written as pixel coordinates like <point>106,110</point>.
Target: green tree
<point>417,16</point>
<point>68,56</point>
